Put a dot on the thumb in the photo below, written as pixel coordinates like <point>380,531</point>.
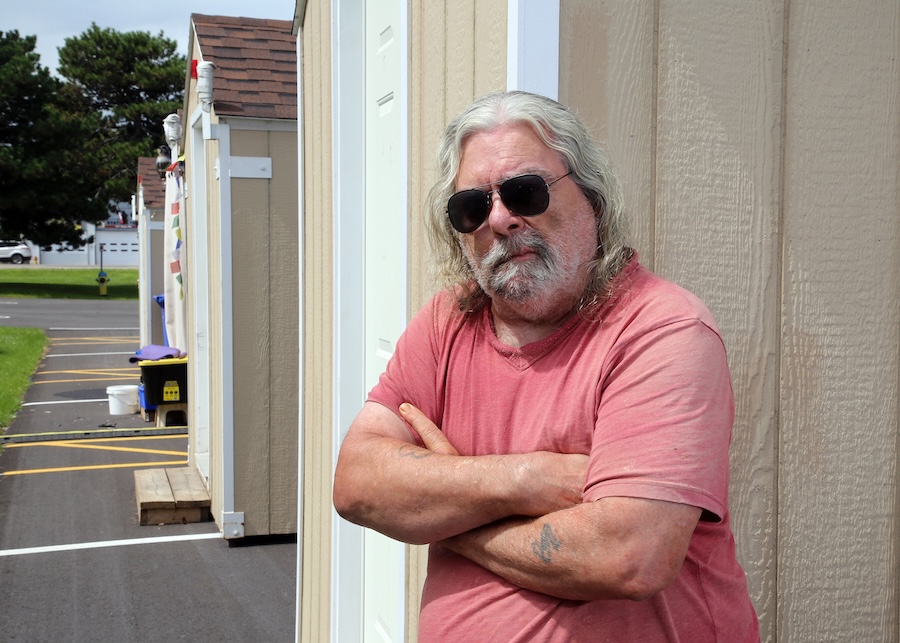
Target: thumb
<point>431,435</point>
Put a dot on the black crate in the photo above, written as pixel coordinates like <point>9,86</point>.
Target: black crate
<point>165,380</point>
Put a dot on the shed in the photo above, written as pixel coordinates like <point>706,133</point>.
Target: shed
<point>150,207</point>
<point>759,145</point>
<point>240,271</point>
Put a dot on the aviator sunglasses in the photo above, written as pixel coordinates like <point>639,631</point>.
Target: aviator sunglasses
<point>525,196</point>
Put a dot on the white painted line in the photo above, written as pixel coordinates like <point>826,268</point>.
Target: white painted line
<point>89,354</point>
<point>108,543</point>
<point>105,399</point>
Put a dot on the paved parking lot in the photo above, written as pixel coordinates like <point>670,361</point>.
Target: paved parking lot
<point>75,565</point>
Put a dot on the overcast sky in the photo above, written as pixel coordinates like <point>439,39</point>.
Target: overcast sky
<point>52,21</point>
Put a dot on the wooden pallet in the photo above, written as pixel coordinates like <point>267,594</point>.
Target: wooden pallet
<point>170,496</point>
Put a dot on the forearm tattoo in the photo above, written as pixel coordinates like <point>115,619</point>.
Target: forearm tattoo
<point>545,547</point>
<point>411,451</point>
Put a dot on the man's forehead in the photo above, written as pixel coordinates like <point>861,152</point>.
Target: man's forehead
<point>505,151</point>
<point>538,170</point>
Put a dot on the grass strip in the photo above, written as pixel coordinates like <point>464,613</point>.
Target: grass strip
<point>21,349</point>
<point>67,283</point>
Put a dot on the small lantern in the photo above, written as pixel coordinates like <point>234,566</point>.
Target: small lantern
<point>205,84</point>
<point>172,131</point>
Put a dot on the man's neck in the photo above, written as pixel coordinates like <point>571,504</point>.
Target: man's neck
<point>517,326</point>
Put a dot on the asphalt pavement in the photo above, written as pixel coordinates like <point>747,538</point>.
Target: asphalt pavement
<point>75,565</point>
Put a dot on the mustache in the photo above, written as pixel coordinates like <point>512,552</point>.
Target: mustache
<point>508,247</point>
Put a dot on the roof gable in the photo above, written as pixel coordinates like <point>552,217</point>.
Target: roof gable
<point>154,187</point>
<point>255,65</point>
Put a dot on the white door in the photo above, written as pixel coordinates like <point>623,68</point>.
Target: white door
<point>384,574</point>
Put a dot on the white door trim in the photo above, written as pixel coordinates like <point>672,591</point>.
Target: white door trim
<point>348,394</point>
<point>532,46</point>
<point>348,40</point>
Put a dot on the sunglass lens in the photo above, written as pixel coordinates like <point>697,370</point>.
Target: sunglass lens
<point>468,210</point>
<point>526,195</point>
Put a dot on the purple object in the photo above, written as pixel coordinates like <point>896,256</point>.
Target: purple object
<point>155,352</point>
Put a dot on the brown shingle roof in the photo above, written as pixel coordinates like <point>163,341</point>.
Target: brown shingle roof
<point>255,65</point>
<point>154,187</point>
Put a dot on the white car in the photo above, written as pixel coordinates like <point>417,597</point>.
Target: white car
<point>14,251</point>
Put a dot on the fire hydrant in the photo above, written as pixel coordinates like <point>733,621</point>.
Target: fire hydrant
<point>102,279</point>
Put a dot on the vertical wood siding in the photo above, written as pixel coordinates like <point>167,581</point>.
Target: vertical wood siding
<point>251,291</point>
<point>759,144</point>
<point>265,290</point>
<point>717,164</point>
<point>457,52</point>
<point>283,375</point>
<point>315,586</point>
<point>837,531</point>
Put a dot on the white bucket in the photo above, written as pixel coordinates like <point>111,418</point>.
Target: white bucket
<point>123,400</point>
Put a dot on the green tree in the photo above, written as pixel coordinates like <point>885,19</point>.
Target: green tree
<point>133,81</point>
<point>47,182</point>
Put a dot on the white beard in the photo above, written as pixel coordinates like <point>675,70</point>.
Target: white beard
<point>535,286</point>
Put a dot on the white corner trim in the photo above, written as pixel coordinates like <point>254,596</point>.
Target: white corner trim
<point>232,524</point>
<point>532,46</point>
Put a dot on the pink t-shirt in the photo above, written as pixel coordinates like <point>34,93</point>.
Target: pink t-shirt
<point>643,388</point>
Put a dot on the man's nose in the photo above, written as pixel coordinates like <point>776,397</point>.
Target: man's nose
<point>501,219</point>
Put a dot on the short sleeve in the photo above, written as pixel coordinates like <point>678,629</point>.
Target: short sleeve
<point>664,419</point>
<point>412,371</point>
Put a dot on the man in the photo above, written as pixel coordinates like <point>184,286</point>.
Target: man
<point>556,424</point>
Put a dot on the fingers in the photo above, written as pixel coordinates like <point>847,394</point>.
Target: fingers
<point>431,435</point>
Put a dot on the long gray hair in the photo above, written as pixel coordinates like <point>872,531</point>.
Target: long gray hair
<point>560,130</point>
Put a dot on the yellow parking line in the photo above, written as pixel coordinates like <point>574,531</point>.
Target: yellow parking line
<point>131,372</point>
<point>57,436</point>
<point>95,467</point>
<point>93,371</point>
<point>87,379</point>
<point>74,444</point>
<point>124,438</point>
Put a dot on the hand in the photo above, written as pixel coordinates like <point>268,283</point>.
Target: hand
<point>551,481</point>
<point>431,435</point>
<point>546,481</point>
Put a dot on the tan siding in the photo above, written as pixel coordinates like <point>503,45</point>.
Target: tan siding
<point>718,182</point>
<point>458,52</point>
<point>742,157</point>
<point>838,505</point>
<point>317,283</point>
<point>607,75</point>
<point>264,287</point>
<point>251,290</point>
<point>285,342</point>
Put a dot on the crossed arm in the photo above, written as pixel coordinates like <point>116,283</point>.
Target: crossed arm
<point>520,516</point>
